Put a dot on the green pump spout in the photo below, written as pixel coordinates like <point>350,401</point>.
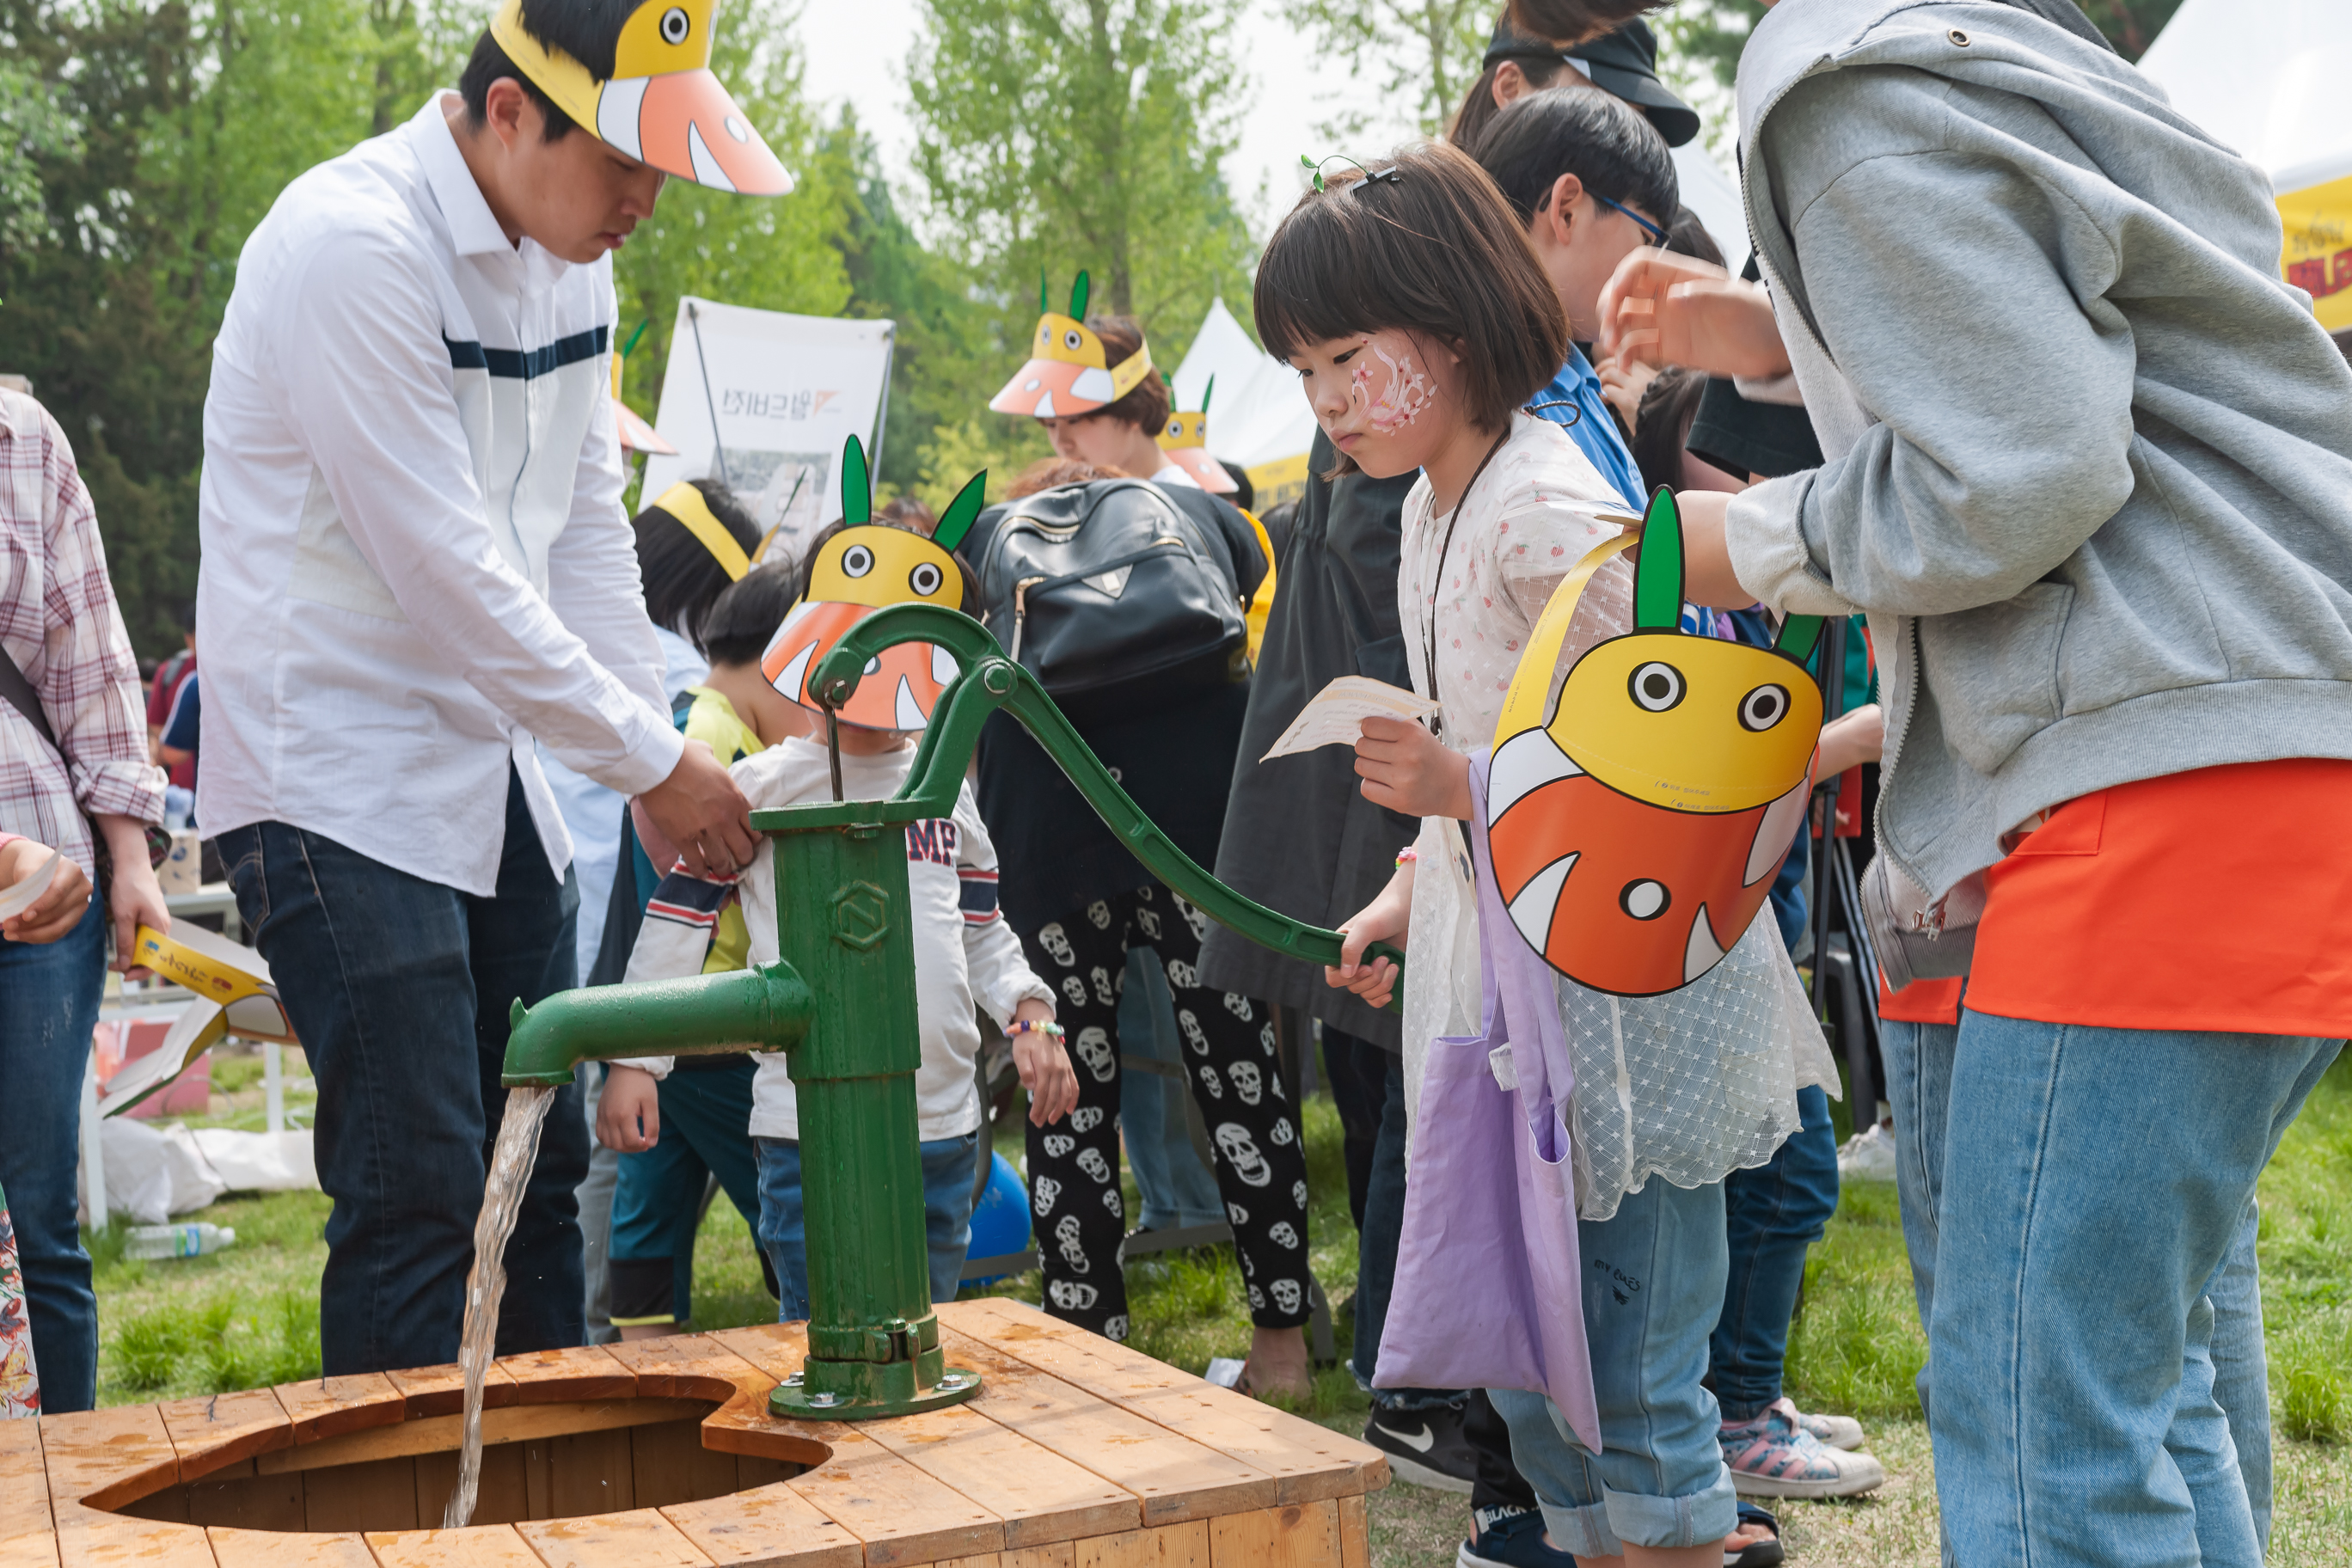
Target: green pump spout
<point>763,1009</point>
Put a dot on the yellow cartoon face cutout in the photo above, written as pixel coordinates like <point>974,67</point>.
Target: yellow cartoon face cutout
<point>1068,370</point>
<point>1635,834</point>
<point>865,567</point>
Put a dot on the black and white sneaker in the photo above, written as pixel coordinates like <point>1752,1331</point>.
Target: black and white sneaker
<point>1426,1446</point>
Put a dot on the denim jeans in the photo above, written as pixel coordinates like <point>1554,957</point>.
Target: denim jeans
<point>1771,1215</point>
<point>399,989</point>
<point>950,1167</point>
<point>1653,1282</point>
<point>51,994</point>
<point>705,1119</point>
<point>2101,1194</point>
<point>1178,1190</point>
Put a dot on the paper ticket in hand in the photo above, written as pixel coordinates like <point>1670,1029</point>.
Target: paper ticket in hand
<point>17,900</point>
<point>1336,717</point>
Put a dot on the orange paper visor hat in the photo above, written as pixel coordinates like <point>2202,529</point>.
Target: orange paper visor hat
<point>662,105</point>
<point>1069,371</point>
<point>861,569</point>
<point>1185,440</point>
<point>1636,835</point>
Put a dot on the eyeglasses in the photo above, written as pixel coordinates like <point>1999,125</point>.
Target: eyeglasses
<point>1657,235</point>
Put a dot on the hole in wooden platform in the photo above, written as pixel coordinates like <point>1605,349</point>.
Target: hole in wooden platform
<point>538,1462</point>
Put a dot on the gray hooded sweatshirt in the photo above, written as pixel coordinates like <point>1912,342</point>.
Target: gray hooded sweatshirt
<point>2089,459</point>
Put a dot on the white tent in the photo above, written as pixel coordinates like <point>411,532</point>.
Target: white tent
<point>1259,418</point>
<point>1710,193</point>
<point>2266,77</point>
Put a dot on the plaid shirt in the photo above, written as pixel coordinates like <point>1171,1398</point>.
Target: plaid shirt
<point>59,622</point>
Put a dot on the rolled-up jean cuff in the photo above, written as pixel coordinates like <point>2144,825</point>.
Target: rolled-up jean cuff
<point>1604,1529</point>
<point>1402,1401</point>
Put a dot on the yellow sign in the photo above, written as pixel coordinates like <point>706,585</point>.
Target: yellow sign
<point>2317,255</point>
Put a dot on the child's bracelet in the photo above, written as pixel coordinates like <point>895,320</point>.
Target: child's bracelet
<point>1407,856</point>
<point>1044,1026</point>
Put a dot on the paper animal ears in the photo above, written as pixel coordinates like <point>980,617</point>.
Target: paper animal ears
<point>857,498</point>
<point>1079,295</point>
<point>1658,581</point>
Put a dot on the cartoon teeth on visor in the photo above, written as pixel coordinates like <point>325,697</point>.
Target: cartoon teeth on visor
<point>1069,371</point>
<point>662,106</point>
<point>861,569</point>
<point>1636,835</point>
<point>1185,439</point>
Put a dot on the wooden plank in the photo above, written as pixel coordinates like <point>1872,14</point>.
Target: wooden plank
<point>1355,1542</point>
<point>1040,1495</point>
<point>218,1431</point>
<point>668,1464</point>
<point>441,1390</point>
<point>245,1502</point>
<point>538,1480</point>
<point>1054,1554</point>
<point>104,1456</point>
<point>23,1484</point>
<point>513,1424</point>
<point>700,1366</point>
<point>327,1406</point>
<point>901,1513</point>
<point>578,1372</point>
<point>1172,1477</point>
<point>501,1498</point>
<point>768,1525</point>
<point>638,1539</point>
<point>1305,1536</point>
<point>476,1546</point>
<point>380,1494</point>
<point>687,1366</point>
<point>276,1548</point>
<point>88,1538</point>
<point>591,1475</point>
<point>1183,1545</point>
<point>1308,1461</point>
<point>30,1550</point>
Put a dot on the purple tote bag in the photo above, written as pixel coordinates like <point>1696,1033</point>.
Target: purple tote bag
<point>1488,1292</point>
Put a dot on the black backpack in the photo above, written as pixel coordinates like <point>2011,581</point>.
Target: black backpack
<point>1110,593</point>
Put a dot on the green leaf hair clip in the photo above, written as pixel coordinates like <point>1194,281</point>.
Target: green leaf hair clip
<point>1390,175</point>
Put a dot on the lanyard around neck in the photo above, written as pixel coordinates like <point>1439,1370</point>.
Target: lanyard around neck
<point>1429,632</point>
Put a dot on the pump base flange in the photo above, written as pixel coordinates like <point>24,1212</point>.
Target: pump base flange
<point>792,1401</point>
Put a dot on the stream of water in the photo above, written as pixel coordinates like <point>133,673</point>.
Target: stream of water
<point>510,1174</point>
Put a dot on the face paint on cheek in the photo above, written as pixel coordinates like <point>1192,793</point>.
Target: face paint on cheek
<point>1399,401</point>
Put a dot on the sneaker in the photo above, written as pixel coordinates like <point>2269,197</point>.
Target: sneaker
<point>1868,1155</point>
<point>1765,1554</point>
<point>1832,1431</point>
<point>1510,1538</point>
<point>1772,1456</point>
<point>1426,1446</point>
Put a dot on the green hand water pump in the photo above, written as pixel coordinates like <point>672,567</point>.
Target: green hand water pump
<point>840,1001</point>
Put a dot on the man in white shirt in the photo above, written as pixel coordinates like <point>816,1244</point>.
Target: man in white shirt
<point>414,550</point>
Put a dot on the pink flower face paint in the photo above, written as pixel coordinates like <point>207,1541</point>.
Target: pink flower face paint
<point>1391,389</point>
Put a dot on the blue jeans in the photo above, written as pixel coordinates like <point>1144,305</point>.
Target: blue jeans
<point>1653,1283</point>
<point>2102,1193</point>
<point>950,1165</point>
<point>706,1130</point>
<point>1177,1189</point>
<point>1773,1214</point>
<point>51,1008</point>
<point>399,989</point>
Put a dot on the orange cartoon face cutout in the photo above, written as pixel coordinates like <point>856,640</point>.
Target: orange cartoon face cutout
<point>1636,834</point>
<point>1184,440</point>
<point>861,569</point>
<point>1068,370</point>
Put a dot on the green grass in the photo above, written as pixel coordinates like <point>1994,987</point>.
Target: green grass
<point>247,1317</point>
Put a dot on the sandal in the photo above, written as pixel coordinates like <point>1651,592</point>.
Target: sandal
<point>1764,1553</point>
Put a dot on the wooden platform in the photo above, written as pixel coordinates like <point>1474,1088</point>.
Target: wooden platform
<point>1079,1454</point>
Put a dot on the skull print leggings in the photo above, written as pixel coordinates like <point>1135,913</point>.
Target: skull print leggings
<point>1073,1189</point>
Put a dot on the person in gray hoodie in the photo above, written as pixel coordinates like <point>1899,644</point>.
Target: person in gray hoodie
<point>2089,473</point>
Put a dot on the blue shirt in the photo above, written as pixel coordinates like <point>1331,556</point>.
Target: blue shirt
<point>1573,402</point>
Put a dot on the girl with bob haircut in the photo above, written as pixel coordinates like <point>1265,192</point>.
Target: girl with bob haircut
<point>1406,297</point>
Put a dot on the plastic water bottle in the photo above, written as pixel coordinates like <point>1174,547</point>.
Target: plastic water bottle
<point>178,1241</point>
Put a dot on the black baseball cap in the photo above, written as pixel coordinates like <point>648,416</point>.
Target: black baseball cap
<point>1624,63</point>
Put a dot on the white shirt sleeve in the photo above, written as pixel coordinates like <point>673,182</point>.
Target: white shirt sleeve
<point>998,972</point>
<point>367,385</point>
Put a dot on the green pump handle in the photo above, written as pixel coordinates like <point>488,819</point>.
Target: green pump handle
<point>986,680</point>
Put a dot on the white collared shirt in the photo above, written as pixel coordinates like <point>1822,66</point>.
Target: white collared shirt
<point>415,556</point>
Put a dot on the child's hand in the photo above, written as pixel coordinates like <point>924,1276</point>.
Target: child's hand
<point>1852,740</point>
<point>1044,1064</point>
<point>1382,920</point>
<point>1623,383</point>
<point>628,1119</point>
<point>1406,769</point>
<point>61,905</point>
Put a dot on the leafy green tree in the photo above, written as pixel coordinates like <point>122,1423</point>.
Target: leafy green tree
<point>1427,51</point>
<point>33,125</point>
<point>1055,135</point>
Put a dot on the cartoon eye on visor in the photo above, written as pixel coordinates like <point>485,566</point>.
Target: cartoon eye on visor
<point>1636,835</point>
<point>861,569</point>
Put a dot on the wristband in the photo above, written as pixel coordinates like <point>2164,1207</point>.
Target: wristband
<point>1407,856</point>
<point>1044,1026</point>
